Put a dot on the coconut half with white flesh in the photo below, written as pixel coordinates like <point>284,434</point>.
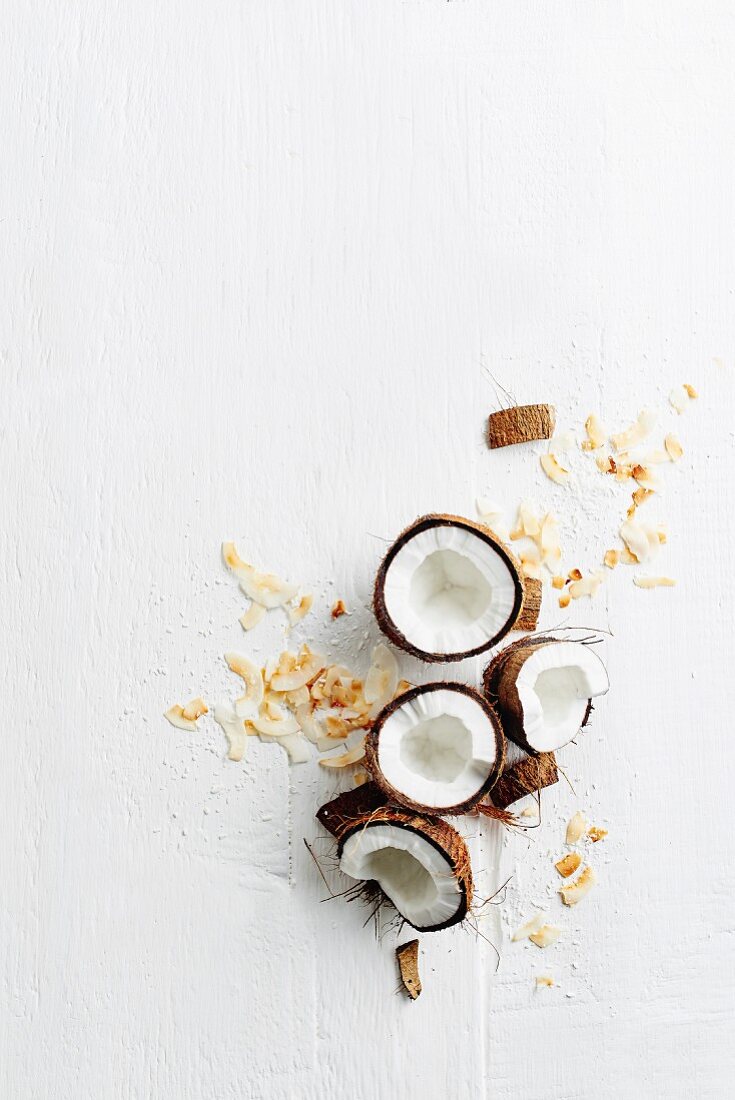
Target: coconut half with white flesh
<point>421,865</point>
<point>437,749</point>
<point>543,690</point>
<point>447,589</point>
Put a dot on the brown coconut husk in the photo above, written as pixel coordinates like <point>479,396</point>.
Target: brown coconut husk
<point>531,608</point>
<point>499,683</point>
<point>526,776</point>
<point>434,831</point>
<point>337,816</point>
<point>408,964</point>
<point>520,424</point>
<point>438,519</point>
<point>399,798</point>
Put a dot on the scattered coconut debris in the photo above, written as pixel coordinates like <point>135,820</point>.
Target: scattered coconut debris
<point>611,559</point>
<point>575,891</point>
<point>595,833</point>
<point>596,433</point>
<point>301,610</point>
<point>544,980</point>
<point>339,609</point>
<point>576,828</point>
<point>673,447</point>
<point>553,469</point>
<point>234,730</point>
<point>636,433</point>
<point>264,588</point>
<point>247,705</point>
<point>568,864</point>
<point>520,424</point>
<point>185,718</point>
<point>254,614</point>
<point>654,582</point>
<point>533,925</point>
<point>546,936</point>
<point>408,964</point>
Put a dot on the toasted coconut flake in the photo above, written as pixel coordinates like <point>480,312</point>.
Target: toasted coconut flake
<point>606,464</point>
<point>565,599</point>
<point>568,864</point>
<point>263,588</point>
<point>587,586</point>
<point>561,442</point>
<point>301,610</point>
<point>337,728</point>
<point>576,828</point>
<point>596,433</point>
<point>544,980</point>
<point>691,392</point>
<point>177,715</point>
<point>635,538</point>
<point>339,609</point>
<point>558,582</point>
<point>553,469</point>
<point>549,541</point>
<point>645,477</point>
<point>251,676</point>
<point>294,745</point>
<point>294,673</point>
<point>194,709</point>
<point>381,680</point>
<point>489,513</point>
<point>545,936</point>
<point>352,756</point>
<point>574,575</point>
<point>611,559</point>
<point>408,964</point>
<point>595,833</point>
<point>275,727</point>
<point>636,433</point>
<point>575,891</point>
<point>254,614</point>
<point>679,398</point>
<point>234,730</point>
<point>640,496</point>
<point>673,447</point>
<point>520,424</point>
<point>654,582</point>
<point>528,524</point>
<point>533,925</point>
<point>627,558</point>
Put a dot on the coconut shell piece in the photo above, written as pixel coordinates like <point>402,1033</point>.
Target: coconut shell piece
<point>434,831</point>
<point>521,424</point>
<point>526,776</point>
<point>337,816</point>
<point>438,519</point>
<point>399,798</point>
<point>531,607</point>
<point>408,964</point>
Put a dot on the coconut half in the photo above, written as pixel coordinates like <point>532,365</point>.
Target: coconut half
<point>543,691</point>
<point>422,866</point>
<point>447,589</point>
<point>436,749</point>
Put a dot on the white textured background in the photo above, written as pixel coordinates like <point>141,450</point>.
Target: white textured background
<point>256,257</point>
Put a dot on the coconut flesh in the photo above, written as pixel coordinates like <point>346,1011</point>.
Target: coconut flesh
<point>544,692</point>
<point>437,748</point>
<point>416,871</point>
<point>447,589</point>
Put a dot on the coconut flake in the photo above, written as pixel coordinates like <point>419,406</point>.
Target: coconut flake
<point>587,586</point>
<point>553,469</point>
<point>549,541</point>
<point>251,676</point>
<point>352,756</point>
<point>381,680</point>
<point>294,745</point>
<point>295,672</point>
<point>673,447</point>
<point>568,864</point>
<point>275,727</point>
<point>545,936</point>
<point>654,582</point>
<point>645,477</point>
<point>596,433</point>
<point>611,559</point>
<point>679,398</point>
<point>533,925</point>
<point>691,392</point>
<point>264,588</point>
<point>528,524</point>
<point>575,891</point>
<point>576,828</point>
<point>234,730</point>
<point>562,442</point>
<point>635,538</point>
<point>636,433</point>
<point>544,980</point>
<point>254,614</point>
<point>301,610</point>
<point>339,609</point>
<point>565,599</point>
<point>185,718</point>
<point>595,834</point>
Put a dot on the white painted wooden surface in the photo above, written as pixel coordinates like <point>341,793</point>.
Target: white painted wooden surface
<point>255,260</point>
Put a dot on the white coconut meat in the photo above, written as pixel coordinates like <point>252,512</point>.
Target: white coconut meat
<point>554,685</point>
<point>414,874</point>
<point>449,591</point>
<point>437,750</point>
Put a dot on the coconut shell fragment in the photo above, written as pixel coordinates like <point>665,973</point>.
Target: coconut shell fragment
<point>408,964</point>
<point>342,812</point>
<point>520,424</point>
<point>526,776</point>
<point>531,607</point>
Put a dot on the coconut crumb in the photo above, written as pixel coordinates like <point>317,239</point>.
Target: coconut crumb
<point>575,891</point>
<point>576,828</point>
<point>596,433</point>
<point>595,833</point>
<point>673,447</point>
<point>185,718</point>
<point>339,610</point>
<point>565,599</point>
<point>553,469</point>
<point>691,392</point>
<point>545,936</point>
<point>574,575</point>
<point>654,582</point>
<point>568,864</point>
<point>544,980</point>
<point>611,559</point>
<point>558,582</point>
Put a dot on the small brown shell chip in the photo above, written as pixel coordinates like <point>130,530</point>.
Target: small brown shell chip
<point>531,607</point>
<point>408,965</point>
<point>520,424</point>
<point>526,776</point>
